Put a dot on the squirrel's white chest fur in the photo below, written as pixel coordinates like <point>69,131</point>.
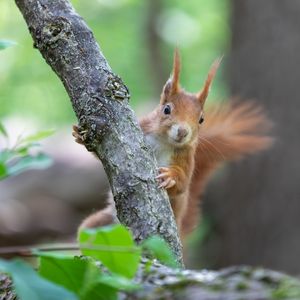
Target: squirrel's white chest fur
<point>162,151</point>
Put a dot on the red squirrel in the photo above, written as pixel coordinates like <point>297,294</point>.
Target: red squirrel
<point>188,149</point>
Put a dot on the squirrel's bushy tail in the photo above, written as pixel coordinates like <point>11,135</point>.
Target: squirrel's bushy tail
<point>230,131</point>
<point>102,217</point>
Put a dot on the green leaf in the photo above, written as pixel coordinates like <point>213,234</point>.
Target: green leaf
<point>82,277</point>
<point>39,161</point>
<point>6,155</point>
<point>37,136</point>
<point>100,292</point>
<point>30,286</point>
<point>24,150</point>
<point>113,246</point>
<point>3,171</point>
<point>118,282</point>
<point>3,130</point>
<point>160,250</point>
<point>6,43</point>
<point>73,273</point>
<point>106,287</point>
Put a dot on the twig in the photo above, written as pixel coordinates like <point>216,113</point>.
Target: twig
<point>33,251</point>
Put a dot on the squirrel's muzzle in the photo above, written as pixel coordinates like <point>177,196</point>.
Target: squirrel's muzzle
<point>179,134</point>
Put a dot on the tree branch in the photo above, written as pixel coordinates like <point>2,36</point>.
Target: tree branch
<point>161,282</point>
<point>100,101</point>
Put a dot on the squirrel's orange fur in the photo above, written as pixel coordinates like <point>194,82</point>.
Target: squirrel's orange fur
<point>230,131</point>
<point>188,152</point>
<point>172,131</point>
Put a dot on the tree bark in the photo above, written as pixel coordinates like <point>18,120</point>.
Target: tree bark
<point>100,101</point>
<point>256,205</point>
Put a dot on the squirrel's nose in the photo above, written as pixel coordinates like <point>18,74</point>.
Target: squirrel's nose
<point>182,132</point>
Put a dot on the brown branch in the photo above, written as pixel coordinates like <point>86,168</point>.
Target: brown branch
<point>100,101</point>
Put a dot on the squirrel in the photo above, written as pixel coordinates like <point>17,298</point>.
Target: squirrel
<point>188,149</point>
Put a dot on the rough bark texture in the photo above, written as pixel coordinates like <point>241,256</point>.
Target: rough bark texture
<point>256,205</point>
<point>100,100</point>
<point>235,283</point>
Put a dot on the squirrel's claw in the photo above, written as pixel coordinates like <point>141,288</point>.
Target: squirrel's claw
<point>166,178</point>
<point>79,135</point>
<point>168,183</point>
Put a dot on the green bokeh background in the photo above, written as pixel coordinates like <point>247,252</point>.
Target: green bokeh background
<point>201,29</point>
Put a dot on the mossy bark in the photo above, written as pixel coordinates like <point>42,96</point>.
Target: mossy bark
<point>235,283</point>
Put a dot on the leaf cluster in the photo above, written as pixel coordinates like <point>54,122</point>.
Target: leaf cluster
<point>108,266</point>
<point>18,158</point>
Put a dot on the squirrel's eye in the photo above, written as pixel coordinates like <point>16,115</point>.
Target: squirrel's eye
<point>167,109</point>
<point>201,120</point>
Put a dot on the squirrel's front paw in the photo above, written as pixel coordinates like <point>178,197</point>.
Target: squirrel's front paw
<point>79,135</point>
<point>166,178</point>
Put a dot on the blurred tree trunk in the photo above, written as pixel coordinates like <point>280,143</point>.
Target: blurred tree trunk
<point>157,63</point>
<point>256,204</point>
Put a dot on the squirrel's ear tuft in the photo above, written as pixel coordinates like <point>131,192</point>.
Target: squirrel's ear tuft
<point>202,95</point>
<point>172,86</point>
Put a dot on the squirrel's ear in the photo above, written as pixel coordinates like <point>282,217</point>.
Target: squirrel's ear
<point>202,95</point>
<point>172,86</point>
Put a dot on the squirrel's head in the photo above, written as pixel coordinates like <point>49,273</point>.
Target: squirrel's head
<point>181,113</point>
